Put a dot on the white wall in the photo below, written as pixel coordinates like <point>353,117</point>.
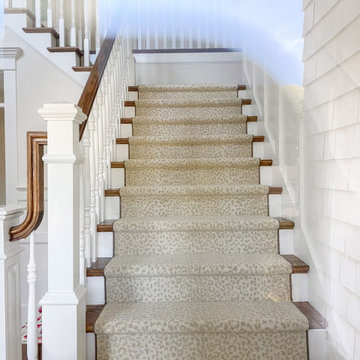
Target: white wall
<point>332,167</point>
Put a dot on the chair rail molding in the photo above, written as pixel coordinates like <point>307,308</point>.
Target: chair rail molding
<point>10,322</point>
<point>64,335</point>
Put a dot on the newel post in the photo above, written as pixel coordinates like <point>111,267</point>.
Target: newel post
<point>64,303</point>
<point>10,322</point>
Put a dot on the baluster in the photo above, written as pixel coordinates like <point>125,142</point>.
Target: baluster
<point>88,234</point>
<point>80,26</point>
<point>32,330</point>
<point>173,29</point>
<point>107,96</point>
<point>86,34</point>
<point>49,15</point>
<point>100,131</point>
<point>95,113</point>
<point>92,185</point>
<point>198,16</point>
<point>97,30</point>
<point>73,24</point>
<point>61,24</point>
<point>82,216</point>
<point>38,13</point>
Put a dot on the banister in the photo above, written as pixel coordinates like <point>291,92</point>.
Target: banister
<point>89,93</point>
<point>35,186</point>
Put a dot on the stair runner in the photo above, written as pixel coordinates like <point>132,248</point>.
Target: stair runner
<point>196,273</point>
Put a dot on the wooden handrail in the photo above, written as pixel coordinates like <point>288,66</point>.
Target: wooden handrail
<point>92,85</point>
<point>35,186</point>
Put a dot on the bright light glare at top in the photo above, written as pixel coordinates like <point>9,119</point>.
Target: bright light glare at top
<point>268,31</point>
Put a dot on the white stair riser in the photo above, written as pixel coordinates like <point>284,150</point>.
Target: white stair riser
<point>126,131</point>
<point>299,287</point>
<point>18,21</point>
<point>95,290</point>
<point>275,202</point>
<point>105,244</point>
<point>203,346</point>
<point>198,288</point>
<point>122,152</point>
<point>112,207</point>
<point>43,40</point>
<point>68,59</point>
<point>132,95</point>
<point>194,242</point>
<point>286,242</point>
<point>184,176</point>
<point>117,178</point>
<point>193,205</point>
<point>152,151</point>
<point>90,346</point>
<point>129,111</point>
<point>317,344</point>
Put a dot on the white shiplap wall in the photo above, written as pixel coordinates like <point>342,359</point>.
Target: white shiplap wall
<point>332,167</point>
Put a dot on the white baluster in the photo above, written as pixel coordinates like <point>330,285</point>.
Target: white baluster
<point>92,185</point>
<point>100,131</point>
<point>73,24</point>
<point>61,24</point>
<point>86,34</point>
<point>97,30</point>
<point>37,13</point>
<point>32,330</point>
<point>49,15</point>
<point>80,25</point>
<point>82,218</point>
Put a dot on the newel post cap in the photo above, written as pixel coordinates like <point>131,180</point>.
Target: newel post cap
<point>62,112</point>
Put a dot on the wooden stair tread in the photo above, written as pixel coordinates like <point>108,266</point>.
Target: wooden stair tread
<point>92,314</point>
<point>298,266</point>
<point>42,30</point>
<point>122,141</point>
<point>316,320</point>
<point>106,226</point>
<point>97,267</point>
<point>136,88</point>
<point>252,118</point>
<point>82,68</point>
<point>112,192</point>
<point>58,49</point>
<point>265,162</point>
<point>118,165</point>
<point>285,224</point>
<point>132,103</point>
<point>258,138</point>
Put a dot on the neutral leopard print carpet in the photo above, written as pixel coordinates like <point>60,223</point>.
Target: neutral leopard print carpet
<point>196,273</point>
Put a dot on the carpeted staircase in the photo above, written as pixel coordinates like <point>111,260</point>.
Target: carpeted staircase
<point>197,273</point>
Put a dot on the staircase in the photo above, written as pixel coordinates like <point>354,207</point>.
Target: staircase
<point>196,272</point>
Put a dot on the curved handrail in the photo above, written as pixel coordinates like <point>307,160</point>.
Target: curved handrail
<point>35,186</point>
<point>89,93</point>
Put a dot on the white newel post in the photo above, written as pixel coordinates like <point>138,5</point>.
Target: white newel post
<point>10,323</point>
<point>64,303</point>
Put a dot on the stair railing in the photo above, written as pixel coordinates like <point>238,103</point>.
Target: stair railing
<point>71,19</point>
<point>81,147</point>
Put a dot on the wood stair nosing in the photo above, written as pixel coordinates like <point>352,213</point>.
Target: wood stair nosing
<point>136,88</point>
<point>112,192</point>
<point>41,30</point>
<point>125,141</point>
<point>132,103</point>
<point>58,49</point>
<point>82,68</point>
<point>129,121</point>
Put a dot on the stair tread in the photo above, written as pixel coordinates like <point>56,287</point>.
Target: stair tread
<point>192,163</point>
<point>97,267</point>
<point>192,139</point>
<point>106,226</point>
<point>188,223</point>
<point>177,120</point>
<point>199,317</point>
<point>187,88</point>
<point>197,264</point>
<point>156,103</point>
<point>194,190</point>
<point>299,267</point>
<point>316,320</point>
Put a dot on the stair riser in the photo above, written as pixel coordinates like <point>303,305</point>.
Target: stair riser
<point>181,130</point>
<point>195,346</point>
<point>185,95</point>
<point>141,206</point>
<point>189,111</point>
<point>195,242</point>
<point>151,151</point>
<point>198,288</point>
<point>183,176</point>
